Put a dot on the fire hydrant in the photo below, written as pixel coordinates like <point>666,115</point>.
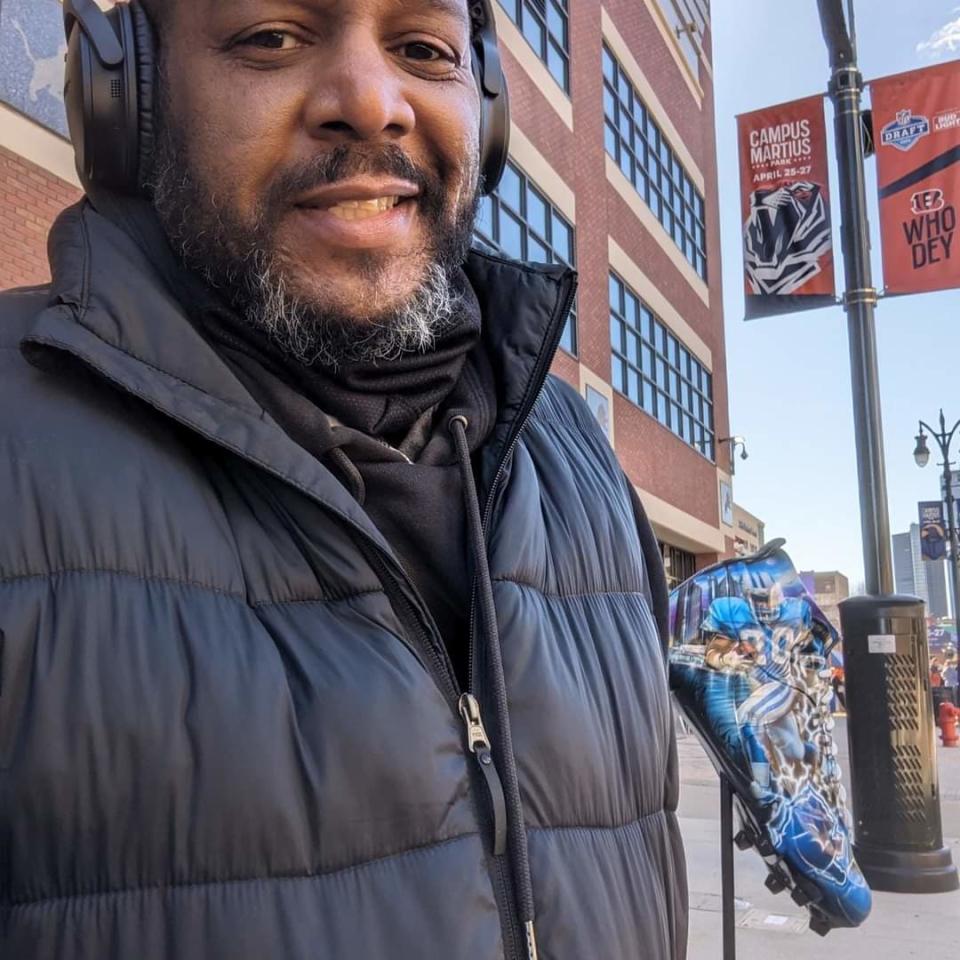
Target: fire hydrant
<point>947,717</point>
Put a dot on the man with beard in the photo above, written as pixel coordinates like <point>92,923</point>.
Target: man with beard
<point>330,625</point>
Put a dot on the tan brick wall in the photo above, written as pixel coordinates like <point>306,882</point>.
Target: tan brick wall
<point>30,199</point>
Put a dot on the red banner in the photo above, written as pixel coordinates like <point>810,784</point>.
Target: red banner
<point>785,200</point>
<point>916,128</point>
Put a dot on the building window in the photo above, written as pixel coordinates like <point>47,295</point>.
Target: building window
<point>520,222</point>
<point>634,140</point>
<point>688,19</point>
<point>546,26</point>
<point>679,564</point>
<point>652,367</point>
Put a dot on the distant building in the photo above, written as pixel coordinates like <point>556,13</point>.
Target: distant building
<point>828,588</point>
<point>748,532</point>
<point>917,577</point>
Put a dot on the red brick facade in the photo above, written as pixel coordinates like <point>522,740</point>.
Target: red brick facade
<point>654,457</point>
<point>30,199</point>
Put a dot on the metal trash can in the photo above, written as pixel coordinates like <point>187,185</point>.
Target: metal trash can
<point>898,839</point>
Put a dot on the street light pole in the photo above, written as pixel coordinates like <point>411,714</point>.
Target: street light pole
<point>860,299</point>
<point>898,845</point>
<point>944,440</point>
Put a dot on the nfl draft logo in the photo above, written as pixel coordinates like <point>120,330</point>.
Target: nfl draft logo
<point>904,132</point>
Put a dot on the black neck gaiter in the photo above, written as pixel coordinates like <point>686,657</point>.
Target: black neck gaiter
<point>395,402</point>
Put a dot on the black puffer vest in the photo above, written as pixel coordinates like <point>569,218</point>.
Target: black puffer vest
<point>228,727</point>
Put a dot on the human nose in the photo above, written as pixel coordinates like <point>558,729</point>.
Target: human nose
<point>359,95</point>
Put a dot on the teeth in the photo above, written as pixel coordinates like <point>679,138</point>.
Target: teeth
<point>363,209</point>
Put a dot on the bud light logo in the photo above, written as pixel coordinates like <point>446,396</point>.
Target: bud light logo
<point>904,132</point>
<point>927,201</point>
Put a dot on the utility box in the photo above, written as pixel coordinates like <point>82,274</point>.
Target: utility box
<point>898,836</point>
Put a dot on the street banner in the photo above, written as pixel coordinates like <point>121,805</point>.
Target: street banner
<point>933,536</point>
<point>916,126</point>
<point>785,203</point>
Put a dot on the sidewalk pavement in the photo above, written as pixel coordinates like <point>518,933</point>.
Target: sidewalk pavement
<point>901,926</point>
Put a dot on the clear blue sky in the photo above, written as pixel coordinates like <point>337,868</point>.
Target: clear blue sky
<point>789,376</point>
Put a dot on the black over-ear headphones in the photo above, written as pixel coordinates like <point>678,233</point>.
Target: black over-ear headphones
<point>109,90</point>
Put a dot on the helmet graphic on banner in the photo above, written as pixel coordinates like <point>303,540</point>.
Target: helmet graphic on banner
<point>787,233</point>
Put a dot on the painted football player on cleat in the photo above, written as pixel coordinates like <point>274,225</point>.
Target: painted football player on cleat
<point>749,666</point>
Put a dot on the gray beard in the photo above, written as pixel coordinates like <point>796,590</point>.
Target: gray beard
<point>236,259</point>
<point>312,337</point>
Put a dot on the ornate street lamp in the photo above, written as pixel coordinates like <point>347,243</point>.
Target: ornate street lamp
<point>921,455</point>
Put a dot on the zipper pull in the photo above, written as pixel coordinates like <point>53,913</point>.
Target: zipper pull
<point>479,744</point>
<point>477,738</point>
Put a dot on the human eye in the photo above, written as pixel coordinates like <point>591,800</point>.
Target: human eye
<point>271,40</point>
<point>418,50</point>
<point>424,52</point>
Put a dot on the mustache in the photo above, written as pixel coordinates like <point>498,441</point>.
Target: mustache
<point>351,160</point>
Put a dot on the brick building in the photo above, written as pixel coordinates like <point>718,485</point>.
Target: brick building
<point>613,170</point>
<point>613,120</point>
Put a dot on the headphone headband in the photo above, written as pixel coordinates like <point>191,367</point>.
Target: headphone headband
<point>110,79</point>
<point>97,28</point>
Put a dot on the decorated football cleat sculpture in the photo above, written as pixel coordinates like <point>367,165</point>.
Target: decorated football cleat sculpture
<point>750,668</point>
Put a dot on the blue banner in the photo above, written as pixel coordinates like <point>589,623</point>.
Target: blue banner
<point>933,530</point>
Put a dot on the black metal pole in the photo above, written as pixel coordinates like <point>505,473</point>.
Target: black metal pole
<point>954,548</point>
<point>944,441</point>
<point>728,897</point>
<point>884,637</point>
<point>860,298</point>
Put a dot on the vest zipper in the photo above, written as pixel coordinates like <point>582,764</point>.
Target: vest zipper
<point>492,821</point>
<point>523,940</point>
<point>423,642</point>
<point>479,744</point>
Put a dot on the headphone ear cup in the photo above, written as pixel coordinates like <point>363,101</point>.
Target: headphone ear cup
<point>494,127</point>
<point>145,63</point>
<point>497,125</point>
<point>102,97</point>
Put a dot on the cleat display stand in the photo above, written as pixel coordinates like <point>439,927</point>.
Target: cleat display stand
<point>728,891</point>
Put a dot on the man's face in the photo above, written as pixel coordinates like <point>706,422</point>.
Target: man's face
<point>326,149</point>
